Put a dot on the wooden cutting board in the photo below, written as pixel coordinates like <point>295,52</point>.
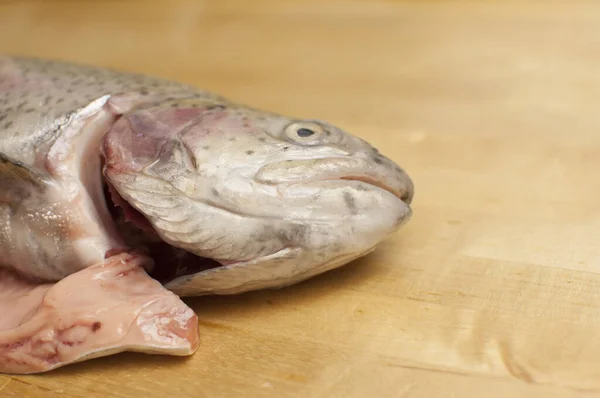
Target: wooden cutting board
<point>491,290</point>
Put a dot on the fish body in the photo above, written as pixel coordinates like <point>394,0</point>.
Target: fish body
<point>204,195</point>
<point>53,117</point>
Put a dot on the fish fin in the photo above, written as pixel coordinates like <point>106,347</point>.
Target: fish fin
<point>14,171</point>
<point>17,182</point>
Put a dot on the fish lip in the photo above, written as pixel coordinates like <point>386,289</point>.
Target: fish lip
<point>405,196</point>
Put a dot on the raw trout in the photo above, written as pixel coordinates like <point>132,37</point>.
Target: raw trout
<point>120,193</point>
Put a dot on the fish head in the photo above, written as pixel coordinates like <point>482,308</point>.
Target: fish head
<point>271,199</point>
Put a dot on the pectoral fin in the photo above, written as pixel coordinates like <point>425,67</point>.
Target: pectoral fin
<point>14,172</point>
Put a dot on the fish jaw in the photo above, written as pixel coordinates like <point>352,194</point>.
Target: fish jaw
<point>309,248</point>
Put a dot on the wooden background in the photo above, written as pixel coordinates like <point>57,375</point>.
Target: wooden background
<point>491,290</point>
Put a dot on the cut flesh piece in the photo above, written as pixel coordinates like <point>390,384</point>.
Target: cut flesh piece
<point>102,310</point>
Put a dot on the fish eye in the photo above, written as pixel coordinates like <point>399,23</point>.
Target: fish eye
<point>304,132</point>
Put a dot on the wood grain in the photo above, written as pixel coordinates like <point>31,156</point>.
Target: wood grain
<point>493,287</point>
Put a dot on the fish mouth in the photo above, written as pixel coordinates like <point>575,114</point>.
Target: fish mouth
<point>405,195</point>
<point>382,173</point>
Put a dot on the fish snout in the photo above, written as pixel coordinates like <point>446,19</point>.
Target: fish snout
<point>386,174</point>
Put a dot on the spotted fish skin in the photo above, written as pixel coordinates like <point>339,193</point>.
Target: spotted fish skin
<point>39,96</point>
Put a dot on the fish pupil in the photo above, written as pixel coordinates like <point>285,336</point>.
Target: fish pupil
<point>304,132</point>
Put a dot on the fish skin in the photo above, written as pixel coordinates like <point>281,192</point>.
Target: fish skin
<point>38,96</point>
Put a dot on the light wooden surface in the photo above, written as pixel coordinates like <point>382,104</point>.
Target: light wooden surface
<point>491,290</point>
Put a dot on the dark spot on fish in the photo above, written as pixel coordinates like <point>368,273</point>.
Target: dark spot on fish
<point>206,147</point>
<point>215,192</point>
<point>285,148</point>
<point>60,100</point>
<point>400,220</point>
<point>298,233</point>
<point>21,106</point>
<point>29,110</point>
<point>144,91</point>
<point>2,117</point>
<point>233,139</point>
<point>47,100</point>
<point>96,326</point>
<point>69,91</point>
<point>405,197</point>
<point>350,202</point>
<point>282,235</point>
<point>8,124</point>
<point>377,160</point>
<point>262,139</point>
<point>249,152</point>
<point>334,247</point>
<point>216,106</point>
<point>174,105</point>
<point>327,133</point>
<point>362,188</point>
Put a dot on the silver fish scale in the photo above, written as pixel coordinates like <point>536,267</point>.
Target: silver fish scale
<point>38,96</point>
